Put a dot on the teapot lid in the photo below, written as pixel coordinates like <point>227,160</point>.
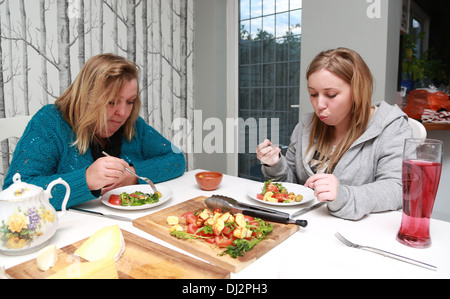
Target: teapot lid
<point>19,190</point>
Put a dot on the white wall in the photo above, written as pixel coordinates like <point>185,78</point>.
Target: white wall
<point>210,75</point>
<point>328,24</point>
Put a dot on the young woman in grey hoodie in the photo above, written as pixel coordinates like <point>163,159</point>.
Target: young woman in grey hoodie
<point>348,151</point>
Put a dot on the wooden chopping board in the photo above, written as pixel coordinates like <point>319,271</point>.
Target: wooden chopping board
<point>156,225</point>
<point>141,259</point>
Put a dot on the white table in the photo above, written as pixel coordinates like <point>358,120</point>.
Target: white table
<point>312,252</point>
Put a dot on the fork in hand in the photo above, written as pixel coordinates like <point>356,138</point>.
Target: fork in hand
<point>139,177</point>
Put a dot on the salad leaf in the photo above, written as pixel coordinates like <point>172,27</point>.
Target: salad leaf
<point>264,189</point>
<point>270,182</point>
<point>186,235</point>
<point>241,246</point>
<point>138,198</point>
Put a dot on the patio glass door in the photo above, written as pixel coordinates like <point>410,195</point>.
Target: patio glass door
<point>269,75</point>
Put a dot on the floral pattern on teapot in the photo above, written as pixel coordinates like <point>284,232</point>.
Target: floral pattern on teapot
<point>27,219</point>
<point>23,227</point>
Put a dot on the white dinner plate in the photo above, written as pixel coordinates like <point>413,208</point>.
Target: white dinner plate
<point>308,193</point>
<point>166,194</point>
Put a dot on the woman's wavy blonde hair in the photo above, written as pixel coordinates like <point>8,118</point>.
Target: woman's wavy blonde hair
<point>350,67</point>
<point>84,103</point>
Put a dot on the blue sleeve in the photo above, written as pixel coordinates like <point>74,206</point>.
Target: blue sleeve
<point>44,153</point>
<point>159,160</point>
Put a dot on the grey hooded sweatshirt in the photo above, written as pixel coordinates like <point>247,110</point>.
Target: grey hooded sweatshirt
<point>369,173</point>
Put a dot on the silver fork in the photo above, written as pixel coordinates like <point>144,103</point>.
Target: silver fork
<point>384,253</point>
<point>284,146</point>
<point>139,177</point>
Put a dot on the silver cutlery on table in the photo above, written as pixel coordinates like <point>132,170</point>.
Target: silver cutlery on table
<point>237,204</point>
<point>95,213</point>
<point>308,209</point>
<point>139,177</point>
<point>385,253</point>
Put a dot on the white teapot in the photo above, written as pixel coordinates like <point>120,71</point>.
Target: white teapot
<point>27,219</point>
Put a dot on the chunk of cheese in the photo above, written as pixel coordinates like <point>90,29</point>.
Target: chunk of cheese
<point>268,196</point>
<point>106,243</point>
<point>176,227</point>
<point>101,269</point>
<point>172,220</point>
<point>47,258</point>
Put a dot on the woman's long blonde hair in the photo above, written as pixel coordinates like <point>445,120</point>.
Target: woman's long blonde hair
<point>84,103</point>
<point>350,67</point>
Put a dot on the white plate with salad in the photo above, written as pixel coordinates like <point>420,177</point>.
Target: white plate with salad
<point>135,197</point>
<point>278,193</point>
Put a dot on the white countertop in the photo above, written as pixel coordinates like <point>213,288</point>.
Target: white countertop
<point>312,252</point>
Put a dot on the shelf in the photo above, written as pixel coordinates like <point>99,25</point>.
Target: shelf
<point>436,126</point>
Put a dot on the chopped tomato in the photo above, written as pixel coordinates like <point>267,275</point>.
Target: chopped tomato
<point>185,214</point>
<point>281,197</point>
<point>192,228</point>
<point>114,199</point>
<point>251,221</point>
<point>203,234</point>
<point>248,218</point>
<point>190,217</point>
<point>272,188</point>
<point>223,241</point>
<point>277,193</point>
<point>221,233</point>
<point>211,240</point>
<point>227,231</point>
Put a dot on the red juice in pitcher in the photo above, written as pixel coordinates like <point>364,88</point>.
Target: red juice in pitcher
<point>420,181</point>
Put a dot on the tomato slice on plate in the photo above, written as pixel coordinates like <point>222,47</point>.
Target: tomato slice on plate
<point>114,199</point>
<point>280,197</point>
<point>272,188</point>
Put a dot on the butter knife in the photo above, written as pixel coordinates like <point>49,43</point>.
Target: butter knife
<point>308,209</point>
<point>94,213</point>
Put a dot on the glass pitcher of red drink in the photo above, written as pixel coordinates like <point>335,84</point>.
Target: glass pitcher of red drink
<point>421,172</point>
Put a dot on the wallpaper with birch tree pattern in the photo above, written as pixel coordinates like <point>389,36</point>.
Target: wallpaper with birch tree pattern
<point>44,43</point>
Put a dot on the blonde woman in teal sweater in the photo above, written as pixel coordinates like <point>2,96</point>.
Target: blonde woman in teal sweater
<point>98,112</point>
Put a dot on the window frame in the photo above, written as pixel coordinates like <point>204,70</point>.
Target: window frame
<point>234,44</point>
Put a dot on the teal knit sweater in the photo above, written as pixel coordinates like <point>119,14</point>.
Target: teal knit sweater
<point>45,153</point>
